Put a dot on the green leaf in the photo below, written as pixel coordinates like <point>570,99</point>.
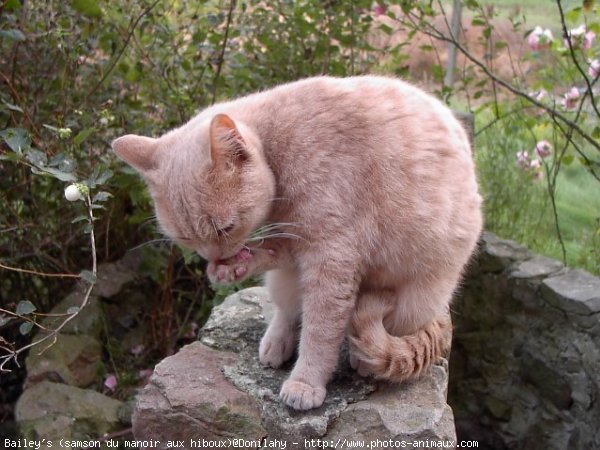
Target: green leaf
<point>386,29</point>
<point>16,138</point>
<point>88,276</point>
<point>25,307</point>
<point>101,196</point>
<point>596,132</point>
<point>13,35</point>
<point>12,5</point>
<point>12,107</point>
<point>36,157</point>
<point>103,177</point>
<point>83,135</point>
<point>62,176</point>
<point>4,319</point>
<point>25,328</point>
<point>73,310</point>
<point>79,219</point>
<point>573,15</point>
<point>567,160</point>
<point>88,8</point>
<point>500,44</point>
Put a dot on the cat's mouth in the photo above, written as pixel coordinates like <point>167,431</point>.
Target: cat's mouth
<point>242,255</point>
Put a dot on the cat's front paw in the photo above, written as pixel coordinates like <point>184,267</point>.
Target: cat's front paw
<point>300,395</point>
<point>231,270</point>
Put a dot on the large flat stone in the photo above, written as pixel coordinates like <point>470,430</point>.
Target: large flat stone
<point>216,389</point>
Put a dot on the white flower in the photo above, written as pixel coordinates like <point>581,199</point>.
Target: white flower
<point>73,193</point>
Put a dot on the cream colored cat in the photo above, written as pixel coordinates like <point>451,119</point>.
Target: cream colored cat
<point>357,195</point>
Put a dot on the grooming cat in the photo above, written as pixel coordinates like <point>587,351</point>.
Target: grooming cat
<point>357,195</point>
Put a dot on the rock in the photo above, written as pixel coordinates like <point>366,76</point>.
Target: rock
<point>112,276</point>
<point>73,360</point>
<point>89,319</point>
<point>576,291</point>
<point>497,254</point>
<point>538,266</point>
<point>190,393</point>
<point>55,411</point>
<point>216,389</point>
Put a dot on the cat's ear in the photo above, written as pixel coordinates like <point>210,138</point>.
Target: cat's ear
<point>227,146</point>
<point>137,151</point>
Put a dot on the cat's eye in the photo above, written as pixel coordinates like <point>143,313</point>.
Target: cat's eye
<point>225,230</point>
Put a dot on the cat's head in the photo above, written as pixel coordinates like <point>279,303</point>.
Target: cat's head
<point>210,183</point>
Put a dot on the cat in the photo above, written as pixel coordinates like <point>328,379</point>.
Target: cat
<point>358,198</point>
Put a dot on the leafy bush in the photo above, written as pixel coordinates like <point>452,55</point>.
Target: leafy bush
<point>75,75</point>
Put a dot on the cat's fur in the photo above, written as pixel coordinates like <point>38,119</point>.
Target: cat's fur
<point>372,185</point>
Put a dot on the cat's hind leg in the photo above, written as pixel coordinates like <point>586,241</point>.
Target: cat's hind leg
<point>397,335</point>
<point>281,338</point>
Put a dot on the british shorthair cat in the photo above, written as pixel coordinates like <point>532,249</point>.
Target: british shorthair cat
<point>357,196</point>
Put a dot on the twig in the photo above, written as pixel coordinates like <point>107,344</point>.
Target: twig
<point>18,100</point>
<point>112,65</point>
<point>13,354</point>
<point>430,31</point>
<point>222,53</point>
<point>574,58</point>
<point>42,274</point>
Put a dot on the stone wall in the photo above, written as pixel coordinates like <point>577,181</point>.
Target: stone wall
<point>525,361</point>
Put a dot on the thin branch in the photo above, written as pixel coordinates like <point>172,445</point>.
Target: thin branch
<point>41,274</point>
<point>13,354</point>
<point>568,38</point>
<point>430,31</point>
<point>222,53</point>
<point>132,29</point>
<point>18,100</point>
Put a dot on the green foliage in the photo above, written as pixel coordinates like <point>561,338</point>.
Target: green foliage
<point>75,75</point>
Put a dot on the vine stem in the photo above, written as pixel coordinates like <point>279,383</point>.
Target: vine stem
<point>53,334</point>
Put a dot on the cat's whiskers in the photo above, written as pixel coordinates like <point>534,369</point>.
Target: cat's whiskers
<point>151,242</point>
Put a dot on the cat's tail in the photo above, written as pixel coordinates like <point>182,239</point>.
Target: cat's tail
<point>374,351</point>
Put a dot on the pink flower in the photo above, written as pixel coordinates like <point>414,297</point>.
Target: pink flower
<point>539,38</point>
<point>588,40</point>
<point>535,164</point>
<point>379,10</point>
<point>110,382</point>
<point>543,149</point>
<point>594,68</point>
<point>541,94</point>
<point>523,159</point>
<point>570,99</point>
<point>580,37</point>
